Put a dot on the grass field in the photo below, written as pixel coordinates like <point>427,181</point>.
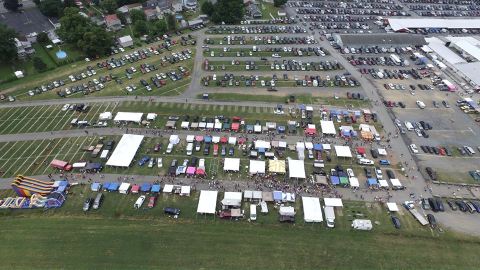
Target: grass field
<point>268,10</point>
<point>119,237</point>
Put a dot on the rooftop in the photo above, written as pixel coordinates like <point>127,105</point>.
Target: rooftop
<point>387,39</point>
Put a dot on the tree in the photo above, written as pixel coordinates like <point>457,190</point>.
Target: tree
<point>11,5</point>
<point>95,42</point>
<point>121,17</point>
<point>208,8</point>
<point>38,64</point>
<point>72,26</point>
<point>137,15</point>
<point>228,11</point>
<point>171,22</point>
<point>140,28</point>
<point>43,38</point>
<point>278,3</point>
<point>109,5</point>
<point>8,50</point>
<point>51,8</point>
<point>158,28</point>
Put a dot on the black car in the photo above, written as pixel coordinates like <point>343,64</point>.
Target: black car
<point>368,172</point>
<point>390,174</point>
<point>171,211</point>
<point>433,204</point>
<point>476,205</point>
<point>424,149</point>
<point>431,173</point>
<point>206,150</point>
<point>231,151</point>
<point>440,205</point>
<point>452,205</point>
<point>462,206</point>
<point>401,104</point>
<point>374,153</point>
<point>432,221</point>
<point>424,134</point>
<point>396,222</point>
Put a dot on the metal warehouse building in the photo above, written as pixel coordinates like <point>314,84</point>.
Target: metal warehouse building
<point>346,40</point>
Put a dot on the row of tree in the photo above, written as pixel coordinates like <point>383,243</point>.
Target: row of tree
<point>224,11</point>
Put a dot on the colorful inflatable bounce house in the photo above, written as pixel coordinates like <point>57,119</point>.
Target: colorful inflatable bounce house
<point>26,186</point>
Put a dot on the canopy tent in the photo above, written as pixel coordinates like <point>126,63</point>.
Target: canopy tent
<point>259,144</point>
<point>257,128</point>
<point>191,170</point>
<point>317,147</point>
<point>125,151</point>
<point>96,186</point>
<point>372,182</point>
<point>232,140</point>
<point>124,187</point>
<point>156,188</point>
<point>145,187</point>
<point>223,140</point>
<point>185,124</point>
<point>361,150</point>
<point>334,202</point>
<point>232,199</point>
<point>257,167</point>
<point>135,188</point>
<point>288,197</point>
<point>215,139</point>
<point>190,138</point>
<point>128,117</point>
<point>328,127</point>
<point>185,191</point>
<point>277,196</point>
<point>207,202</point>
<point>392,207</point>
<point>287,211</point>
<point>343,151</point>
<point>257,195</point>
<point>235,126</point>
<point>276,166</point>
<point>199,138</point>
<point>168,188</point>
<point>231,164</point>
<point>174,139</point>
<point>335,180</point>
<point>382,151</point>
<point>105,116</point>
<point>354,182</point>
<point>321,180</point>
<point>267,196</point>
<point>311,209</point>
<point>308,145</point>
<point>326,146</point>
<point>396,183</point>
<point>151,116</point>
<point>248,194</point>
<point>170,124</point>
<point>207,139</point>
<point>113,186</point>
<point>383,183</point>
<point>296,169</point>
<point>311,130</point>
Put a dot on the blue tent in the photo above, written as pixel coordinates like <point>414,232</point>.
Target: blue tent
<point>372,182</point>
<point>113,186</point>
<point>106,185</point>
<point>302,106</point>
<point>249,128</point>
<point>335,180</point>
<point>156,188</point>
<point>318,147</point>
<point>93,167</point>
<point>277,195</point>
<point>96,186</point>
<point>261,150</point>
<point>145,187</point>
<point>208,139</point>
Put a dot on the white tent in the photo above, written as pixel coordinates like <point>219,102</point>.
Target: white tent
<point>185,125</point>
<point>210,125</point>
<point>287,211</point>
<point>396,183</point>
<point>328,127</point>
<point>190,138</point>
<point>312,211</point>
<point>167,188</point>
<point>185,191</point>
<point>207,202</point>
<point>174,139</point>
<point>354,182</point>
<point>151,116</point>
<point>392,207</point>
<point>19,74</point>
<point>383,183</point>
<point>105,116</point>
<point>215,139</point>
<point>128,117</point>
<point>124,187</point>
<point>326,146</point>
<point>232,199</point>
<point>382,152</point>
<point>308,145</point>
<point>296,169</point>
<point>335,202</point>
<point>79,165</point>
<point>257,128</point>
<point>232,140</point>
<point>343,151</point>
<point>262,144</point>
<point>231,164</point>
<point>257,167</point>
<point>125,151</point>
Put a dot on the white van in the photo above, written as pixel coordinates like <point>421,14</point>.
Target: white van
<point>253,212</point>
<point>469,150</point>
<point>169,148</point>
<point>329,216</point>
<point>139,202</point>
<point>409,126</point>
<point>189,149</point>
<point>420,104</point>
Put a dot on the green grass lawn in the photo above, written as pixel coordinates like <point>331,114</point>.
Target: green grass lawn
<point>119,237</point>
<point>268,10</point>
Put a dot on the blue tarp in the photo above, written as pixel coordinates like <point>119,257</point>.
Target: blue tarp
<point>261,150</point>
<point>335,180</point>
<point>156,188</point>
<point>96,186</point>
<point>317,147</point>
<point>208,139</point>
<point>372,182</point>
<point>277,195</point>
<point>145,187</point>
<point>302,106</point>
<point>63,183</point>
<point>106,185</point>
<point>113,186</point>
<point>61,188</point>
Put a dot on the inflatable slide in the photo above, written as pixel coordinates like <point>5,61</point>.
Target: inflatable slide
<point>26,186</point>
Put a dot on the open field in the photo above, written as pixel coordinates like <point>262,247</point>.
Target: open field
<point>99,239</point>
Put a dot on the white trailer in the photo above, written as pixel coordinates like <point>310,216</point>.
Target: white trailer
<point>395,59</point>
<point>418,216</point>
<point>329,216</point>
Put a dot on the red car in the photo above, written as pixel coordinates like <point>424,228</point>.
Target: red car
<point>152,201</point>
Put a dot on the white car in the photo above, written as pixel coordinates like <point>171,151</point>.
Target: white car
<point>65,107</point>
<point>139,202</point>
<point>31,93</point>
<point>159,162</point>
<point>413,148</point>
<point>378,174</point>
<point>350,173</point>
<point>364,161</point>
<point>420,104</point>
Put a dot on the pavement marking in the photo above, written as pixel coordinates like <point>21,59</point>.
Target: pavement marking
<point>27,158</point>
<point>36,124</point>
<point>25,111</point>
<point>471,130</point>
<point>61,150</point>
<point>7,151</point>
<point>7,113</point>
<point>47,156</point>
<point>7,170</point>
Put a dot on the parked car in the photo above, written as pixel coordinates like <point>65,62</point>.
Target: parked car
<point>396,222</point>
<point>87,204</point>
<point>139,202</point>
<point>432,221</point>
<point>151,201</point>
<point>171,211</point>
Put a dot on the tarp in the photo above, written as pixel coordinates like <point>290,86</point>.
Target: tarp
<point>231,164</point>
<point>125,151</point>
<point>392,207</point>
<point>312,211</point>
<point>343,151</point>
<point>276,166</point>
<point>207,202</point>
<point>335,202</point>
<point>128,117</point>
<point>328,127</point>
<point>296,169</point>
<point>257,167</point>
<point>232,199</point>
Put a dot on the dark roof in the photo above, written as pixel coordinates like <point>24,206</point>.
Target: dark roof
<point>378,39</point>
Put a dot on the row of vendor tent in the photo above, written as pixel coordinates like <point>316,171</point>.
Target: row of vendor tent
<point>127,117</point>
<point>87,166</point>
<point>125,188</point>
<point>353,182</point>
<point>382,183</point>
<point>296,167</point>
<point>224,126</point>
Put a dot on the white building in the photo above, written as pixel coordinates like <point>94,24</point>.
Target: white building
<point>125,41</point>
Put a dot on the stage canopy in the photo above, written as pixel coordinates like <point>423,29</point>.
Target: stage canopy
<point>296,169</point>
<point>125,151</point>
<point>231,164</point>
<point>207,202</point>
<point>128,117</point>
<point>343,151</point>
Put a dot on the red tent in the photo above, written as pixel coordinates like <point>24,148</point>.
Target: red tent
<point>361,150</point>
<point>236,119</point>
<point>241,140</point>
<point>200,171</point>
<point>310,131</point>
<point>135,188</point>
<point>223,140</point>
<point>235,126</point>
<point>199,138</point>
<point>58,164</point>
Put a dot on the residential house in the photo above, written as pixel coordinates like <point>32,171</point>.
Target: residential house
<point>125,41</point>
<point>190,4</point>
<point>24,47</point>
<point>151,14</point>
<point>113,22</point>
